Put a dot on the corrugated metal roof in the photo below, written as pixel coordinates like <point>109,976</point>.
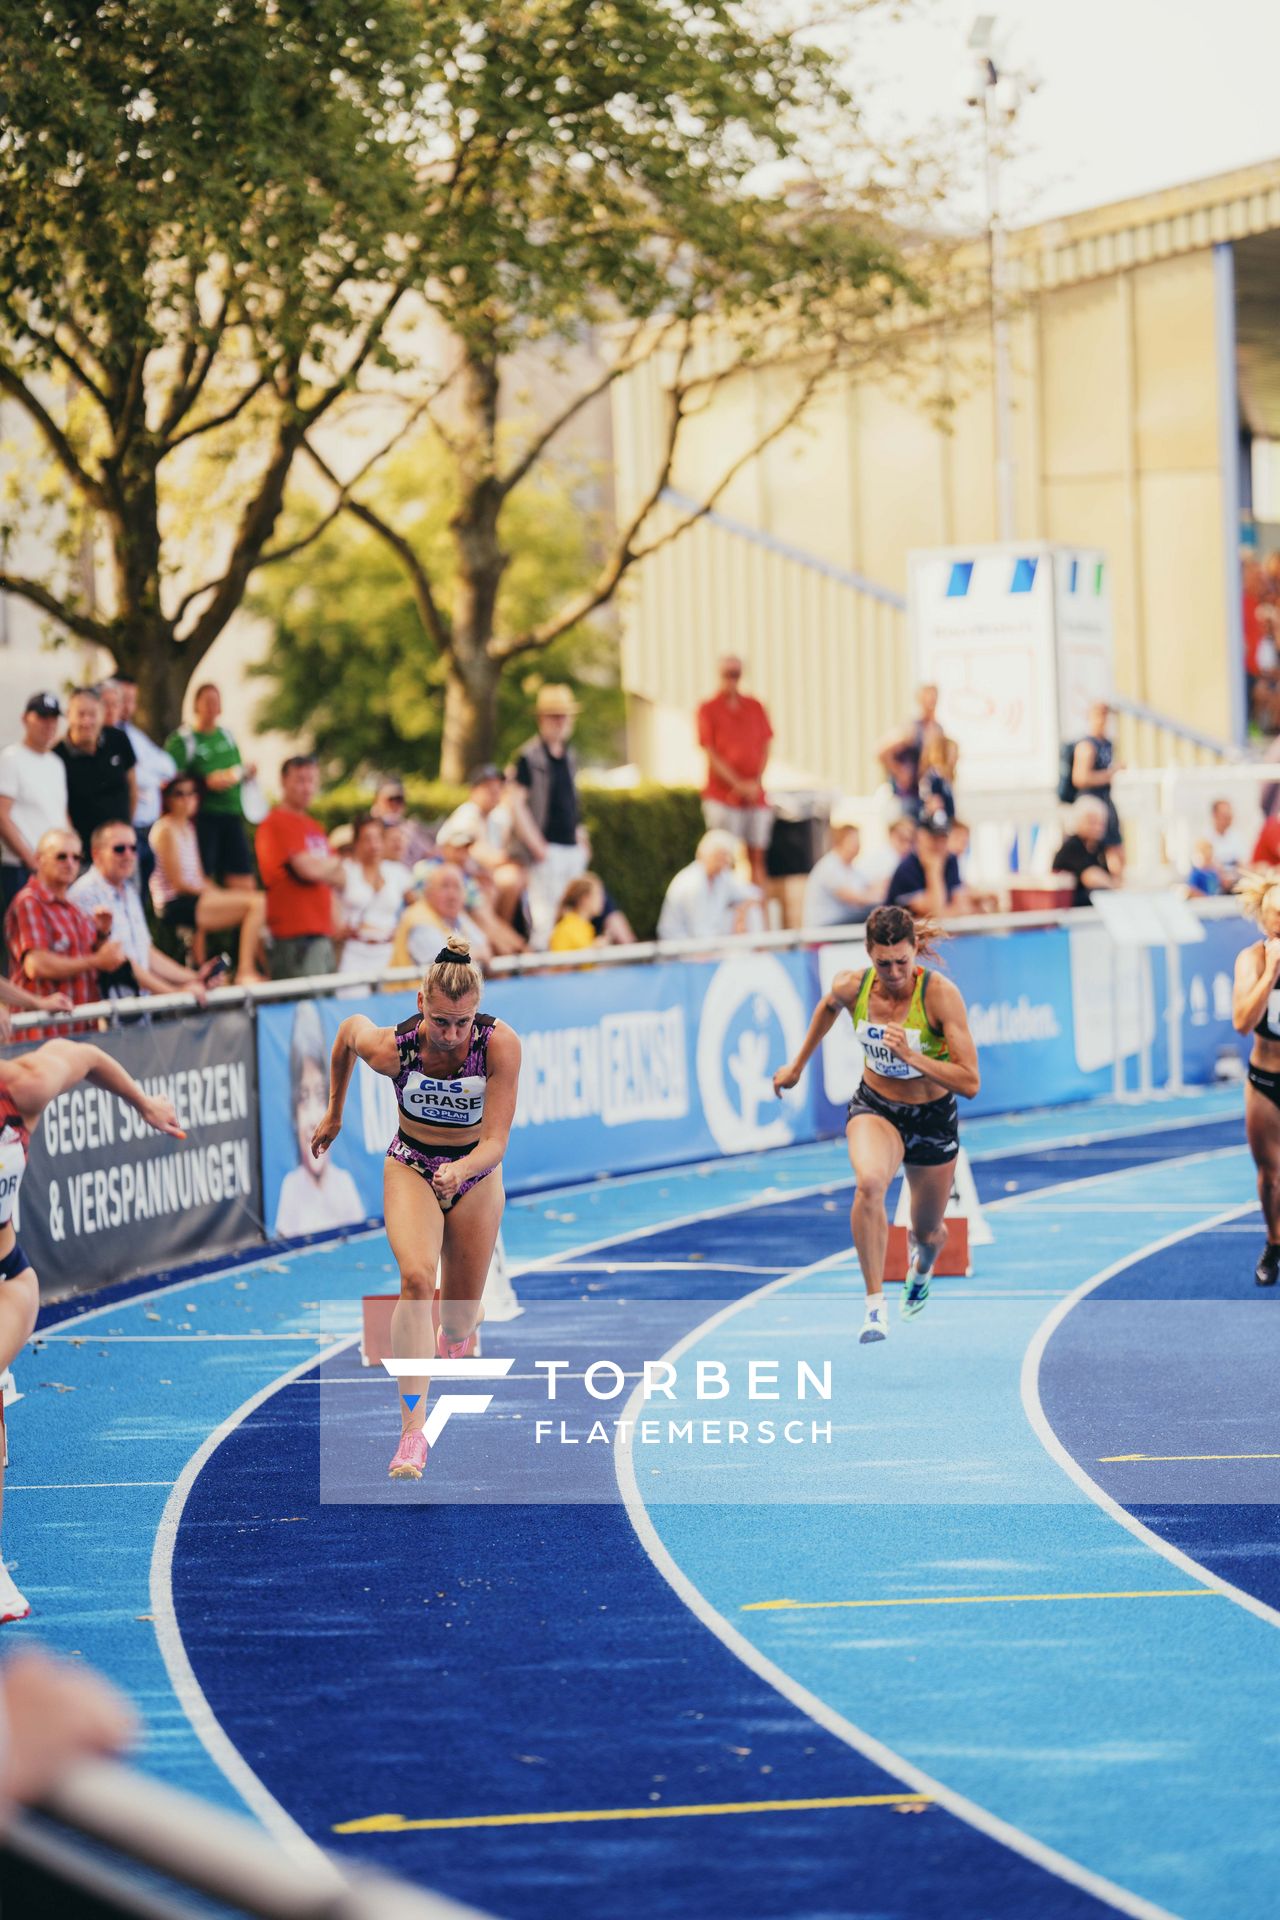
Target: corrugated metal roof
<point>1154,226</point>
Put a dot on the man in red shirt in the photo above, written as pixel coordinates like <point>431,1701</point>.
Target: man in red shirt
<point>55,950</point>
<point>298,871</point>
<point>734,733</point>
<point>1266,850</point>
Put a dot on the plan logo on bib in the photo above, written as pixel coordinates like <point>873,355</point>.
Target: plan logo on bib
<point>752,1022</point>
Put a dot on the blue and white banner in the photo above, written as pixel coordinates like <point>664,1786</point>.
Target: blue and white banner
<point>623,1068</point>
<point>647,1066</point>
<point>1052,1008</point>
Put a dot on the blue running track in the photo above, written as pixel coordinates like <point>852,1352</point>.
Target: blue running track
<point>1009,1646</point>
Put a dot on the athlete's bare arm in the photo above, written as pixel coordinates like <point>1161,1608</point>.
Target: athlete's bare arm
<point>946,1013</point>
<point>39,1077</point>
<point>503,1060</point>
<point>838,999</point>
<point>356,1039</point>
<point>1257,970</point>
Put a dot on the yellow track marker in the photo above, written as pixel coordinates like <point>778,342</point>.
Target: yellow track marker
<point>1111,1458</point>
<point>980,1599</point>
<point>396,1822</point>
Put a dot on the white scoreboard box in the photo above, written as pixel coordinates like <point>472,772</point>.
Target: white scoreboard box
<point>1017,638</point>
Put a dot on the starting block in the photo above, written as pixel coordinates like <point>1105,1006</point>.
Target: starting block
<point>952,1260</point>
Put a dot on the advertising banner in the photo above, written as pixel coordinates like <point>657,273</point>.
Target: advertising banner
<point>648,1066</point>
<point>623,1068</point>
<point>105,1198</point>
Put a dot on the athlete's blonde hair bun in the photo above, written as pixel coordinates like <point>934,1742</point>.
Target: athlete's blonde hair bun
<point>454,972</point>
<point>1252,889</point>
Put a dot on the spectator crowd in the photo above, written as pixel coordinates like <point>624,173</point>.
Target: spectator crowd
<point>127,867</point>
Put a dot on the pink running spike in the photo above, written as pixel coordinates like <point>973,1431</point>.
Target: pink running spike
<point>455,1349</point>
<point>410,1457</point>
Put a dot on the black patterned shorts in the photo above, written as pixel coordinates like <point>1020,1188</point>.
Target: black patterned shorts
<point>1266,1083</point>
<point>930,1132</point>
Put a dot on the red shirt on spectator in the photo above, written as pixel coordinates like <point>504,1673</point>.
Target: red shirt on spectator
<point>37,923</point>
<point>1266,852</point>
<point>1253,630</point>
<point>296,909</point>
<point>739,732</point>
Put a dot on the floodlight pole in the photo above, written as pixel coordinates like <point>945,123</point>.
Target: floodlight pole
<point>1002,384</point>
<point>997,95</point>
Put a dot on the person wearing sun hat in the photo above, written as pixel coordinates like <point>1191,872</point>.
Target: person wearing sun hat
<point>547,817</point>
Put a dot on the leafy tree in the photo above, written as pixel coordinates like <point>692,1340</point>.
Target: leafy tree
<point>348,663</point>
<point>601,167</point>
<point>209,220</point>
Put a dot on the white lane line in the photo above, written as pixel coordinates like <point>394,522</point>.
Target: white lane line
<point>1049,1440</point>
<point>243,1268</point>
<point>773,1197</point>
<point>200,1339</point>
<point>671,1266</point>
<point>808,1703</point>
<point>187,1689</point>
<point>1125,1206</point>
<point>1118,1173</point>
<point>68,1486</point>
<point>1154,1123</point>
<point>182,1677</point>
<point>769,1197</point>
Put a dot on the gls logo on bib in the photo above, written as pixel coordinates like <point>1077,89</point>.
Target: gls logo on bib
<point>752,1021</point>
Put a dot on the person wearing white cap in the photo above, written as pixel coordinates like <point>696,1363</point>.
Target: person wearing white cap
<point>707,899</point>
<point>459,844</point>
<point>837,893</point>
<point>548,823</point>
<point>33,794</point>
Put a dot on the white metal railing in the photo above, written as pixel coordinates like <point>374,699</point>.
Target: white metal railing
<point>316,986</point>
<point>201,1849</point>
<point>1148,737</point>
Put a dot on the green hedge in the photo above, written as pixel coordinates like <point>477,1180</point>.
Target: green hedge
<point>429,800</point>
<point>640,835</point>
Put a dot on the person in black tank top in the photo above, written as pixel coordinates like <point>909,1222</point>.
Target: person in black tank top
<point>1092,767</point>
<point>1255,1009</point>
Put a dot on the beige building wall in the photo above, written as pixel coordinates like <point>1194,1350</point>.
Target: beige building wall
<point>1117,440</point>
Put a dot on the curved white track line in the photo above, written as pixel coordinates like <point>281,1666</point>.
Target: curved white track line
<point>1071,1466</point>
<point>187,1689</point>
<point>808,1703</point>
<point>227,1758</point>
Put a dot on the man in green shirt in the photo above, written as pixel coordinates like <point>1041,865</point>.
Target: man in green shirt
<point>209,751</point>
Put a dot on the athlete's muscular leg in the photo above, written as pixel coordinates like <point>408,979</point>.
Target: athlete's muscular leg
<point>930,1192</point>
<point>19,1305</point>
<point>875,1153</point>
<point>470,1234</point>
<point>415,1228</point>
<point>1262,1130</point>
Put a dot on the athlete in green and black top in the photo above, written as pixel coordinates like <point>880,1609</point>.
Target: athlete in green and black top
<point>913,1030</point>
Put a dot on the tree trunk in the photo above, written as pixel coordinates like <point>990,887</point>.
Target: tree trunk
<point>161,670</point>
<point>142,638</point>
<point>470,716</point>
<point>471,696</point>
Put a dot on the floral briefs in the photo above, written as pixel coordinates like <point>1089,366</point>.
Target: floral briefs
<point>425,1160</point>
